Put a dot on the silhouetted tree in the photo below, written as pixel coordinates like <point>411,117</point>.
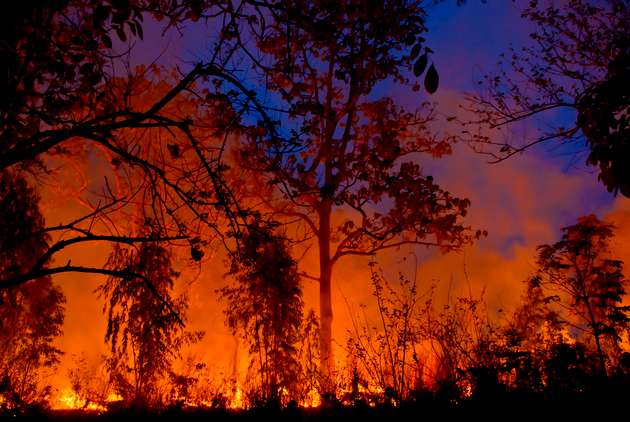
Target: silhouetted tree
<point>573,80</point>
<point>575,274</point>
<point>528,338</point>
<point>66,97</point>
<point>265,307</point>
<point>143,333</point>
<point>349,149</point>
<point>31,314</point>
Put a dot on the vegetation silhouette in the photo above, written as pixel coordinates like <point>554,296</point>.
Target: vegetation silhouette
<point>143,334</point>
<point>31,314</point>
<point>572,80</point>
<point>349,149</point>
<point>196,157</point>
<point>265,309</point>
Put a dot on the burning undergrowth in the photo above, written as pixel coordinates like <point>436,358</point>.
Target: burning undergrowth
<point>566,340</point>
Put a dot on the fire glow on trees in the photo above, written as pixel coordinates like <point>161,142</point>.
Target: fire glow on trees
<point>348,150</point>
<point>171,142</point>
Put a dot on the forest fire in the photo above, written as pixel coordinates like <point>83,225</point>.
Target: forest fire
<point>68,399</point>
<point>258,226</point>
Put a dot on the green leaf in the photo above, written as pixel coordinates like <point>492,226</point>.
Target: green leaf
<point>431,80</point>
<point>420,65</point>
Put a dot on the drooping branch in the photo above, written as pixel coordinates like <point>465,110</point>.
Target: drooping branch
<point>43,272</point>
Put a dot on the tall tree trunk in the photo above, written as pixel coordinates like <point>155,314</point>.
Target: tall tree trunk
<point>596,334</point>
<point>325,298</point>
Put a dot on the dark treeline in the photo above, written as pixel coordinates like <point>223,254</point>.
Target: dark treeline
<point>564,343</point>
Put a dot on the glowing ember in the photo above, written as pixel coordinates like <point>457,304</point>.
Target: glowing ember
<point>313,399</point>
<point>236,401</point>
<point>68,399</point>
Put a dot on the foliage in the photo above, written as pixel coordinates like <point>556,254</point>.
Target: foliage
<point>604,120</point>
<point>529,337</point>
<point>460,335</point>
<point>59,56</point>
<point>349,148</point>
<point>22,239</point>
<point>388,356</point>
<point>31,314</point>
<point>143,333</point>
<point>195,383</point>
<point>576,275</point>
<point>572,80</point>
<point>313,381</point>
<point>72,100</point>
<point>89,384</point>
<point>265,306</point>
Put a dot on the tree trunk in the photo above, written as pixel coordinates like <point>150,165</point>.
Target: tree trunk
<point>327,359</point>
<point>596,334</point>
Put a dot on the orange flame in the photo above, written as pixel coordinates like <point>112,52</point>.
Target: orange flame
<point>68,399</point>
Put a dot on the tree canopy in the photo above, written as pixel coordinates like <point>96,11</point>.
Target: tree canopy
<point>164,135</point>
<point>576,274</point>
<point>144,334</point>
<point>66,99</point>
<point>350,148</point>
<point>31,314</point>
<point>265,308</point>
<point>570,85</point>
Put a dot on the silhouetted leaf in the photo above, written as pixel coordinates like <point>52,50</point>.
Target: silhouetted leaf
<point>415,51</point>
<point>196,254</point>
<point>95,78</point>
<point>140,33</point>
<point>420,65</point>
<point>106,40</point>
<point>86,68</point>
<point>77,58</point>
<point>431,80</point>
<point>121,16</point>
<point>173,150</point>
<point>121,34</point>
<point>120,4</point>
<point>100,15</point>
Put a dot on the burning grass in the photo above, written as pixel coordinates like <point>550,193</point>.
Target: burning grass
<point>419,357</point>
